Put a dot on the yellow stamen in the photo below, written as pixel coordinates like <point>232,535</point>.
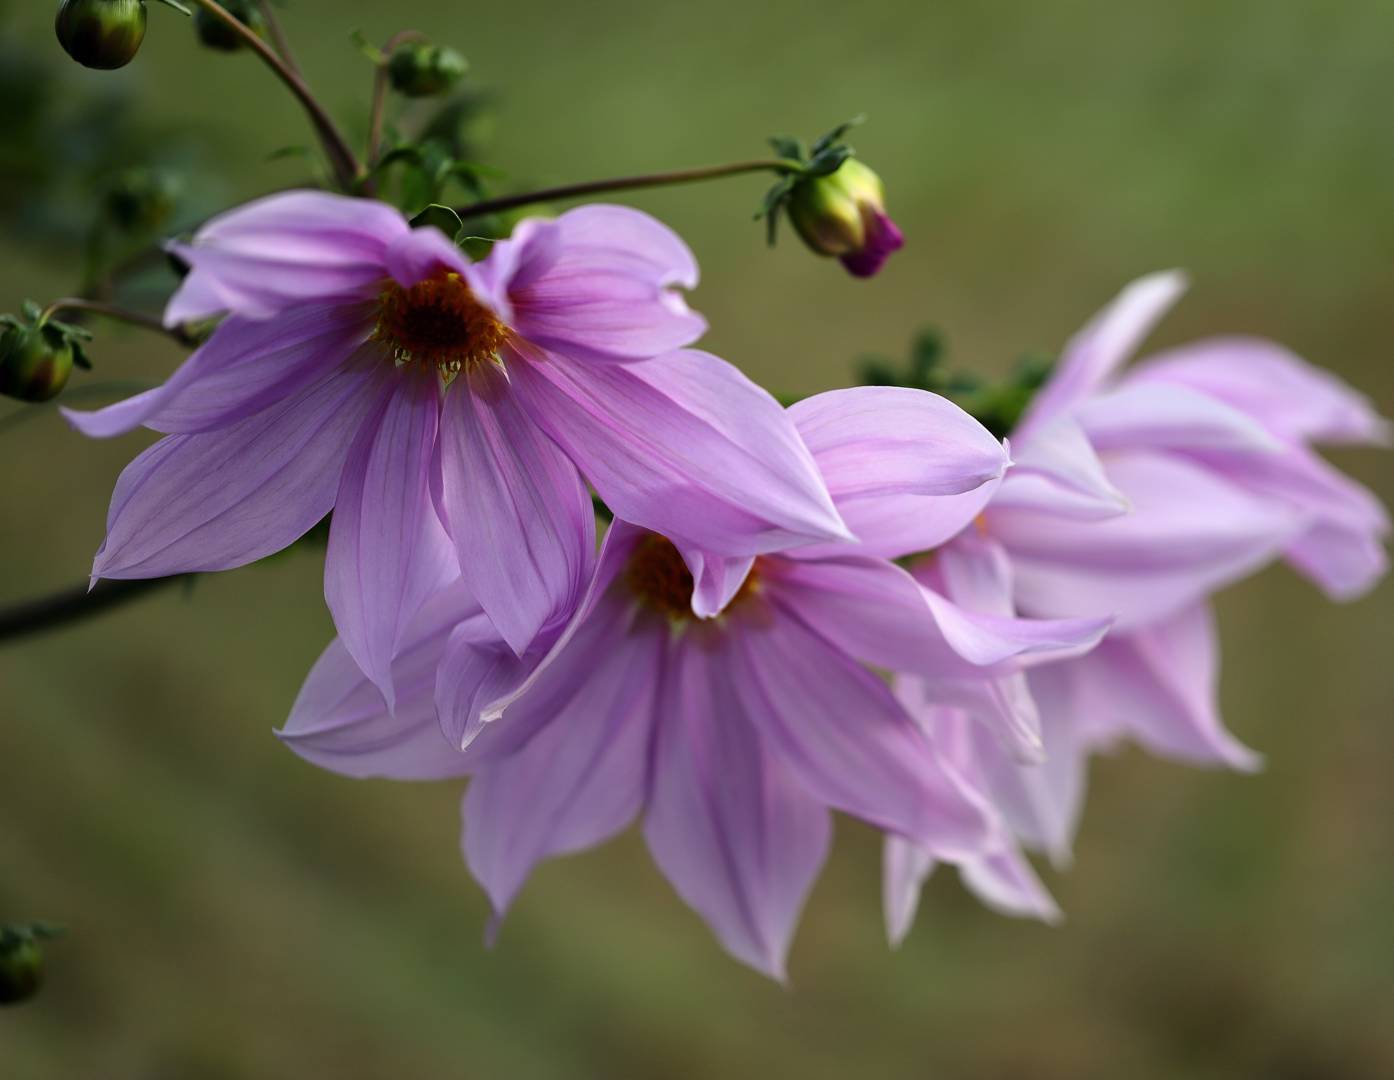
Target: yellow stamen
<point>438,322</point>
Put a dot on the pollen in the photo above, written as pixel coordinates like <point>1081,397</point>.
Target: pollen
<point>438,322</point>
<point>661,581</point>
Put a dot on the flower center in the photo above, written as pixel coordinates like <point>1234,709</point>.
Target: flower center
<point>660,580</point>
<point>438,322</point>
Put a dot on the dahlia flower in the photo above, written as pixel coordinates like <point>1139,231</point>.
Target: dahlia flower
<point>370,368</point>
<point>731,736</point>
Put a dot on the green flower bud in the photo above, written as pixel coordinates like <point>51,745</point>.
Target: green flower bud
<point>141,200</point>
<point>102,34</point>
<point>216,34</point>
<point>418,69</point>
<point>21,968</point>
<point>35,362</point>
<point>843,213</point>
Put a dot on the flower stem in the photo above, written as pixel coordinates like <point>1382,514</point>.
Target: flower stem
<point>278,34</point>
<point>380,88</point>
<point>341,158</point>
<point>73,604</point>
<point>125,315</point>
<point>629,183</point>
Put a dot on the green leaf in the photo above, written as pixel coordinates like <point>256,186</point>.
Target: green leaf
<point>786,146</point>
<point>367,48</point>
<point>828,161</point>
<point>836,134</point>
<point>442,217</point>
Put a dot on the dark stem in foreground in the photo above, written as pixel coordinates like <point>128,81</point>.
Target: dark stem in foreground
<point>341,158</point>
<point>58,609</point>
<point>380,89</point>
<point>278,35</point>
<point>628,183</point>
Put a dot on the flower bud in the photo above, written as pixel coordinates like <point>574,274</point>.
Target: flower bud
<point>418,69</point>
<point>141,200</point>
<point>21,969</point>
<point>843,213</point>
<point>35,362</point>
<point>102,34</point>
<point>216,34</point>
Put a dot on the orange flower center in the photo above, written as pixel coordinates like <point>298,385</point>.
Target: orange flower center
<point>661,581</point>
<point>438,322</point>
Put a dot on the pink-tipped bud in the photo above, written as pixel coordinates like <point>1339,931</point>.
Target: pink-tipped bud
<point>844,214</point>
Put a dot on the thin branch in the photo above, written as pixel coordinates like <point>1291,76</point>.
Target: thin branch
<point>125,315</point>
<point>58,609</point>
<point>278,35</point>
<point>627,183</point>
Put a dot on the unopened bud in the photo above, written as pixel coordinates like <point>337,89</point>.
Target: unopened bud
<point>843,214</point>
<point>102,34</point>
<point>142,200</point>
<point>22,960</point>
<point>35,362</point>
<point>216,34</point>
<point>419,69</point>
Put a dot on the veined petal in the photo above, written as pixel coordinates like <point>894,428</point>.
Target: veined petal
<point>716,579</point>
<point>874,610</point>
<point>1096,352</point>
<point>580,778</point>
<point>684,445</point>
<point>341,723</point>
<point>728,822</point>
<point>280,251</point>
<point>1161,416</point>
<point>224,498</point>
<point>246,366</point>
<point>605,290</point>
<point>1057,471</point>
<point>481,676</point>
<point>520,516</point>
<point>872,441</point>
<point>843,735</point>
<point>387,551</point>
<point>1159,684</point>
<point>1290,397</point>
<point>1190,532</point>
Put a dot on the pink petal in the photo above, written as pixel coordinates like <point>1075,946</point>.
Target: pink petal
<point>1165,417</point>
<point>340,722</point>
<point>1189,533</point>
<point>1290,397</point>
<point>684,445</point>
<point>1057,471</point>
<point>605,290</point>
<point>580,778</point>
<point>845,737</point>
<point>276,252</point>
<point>224,498</point>
<point>1005,881</point>
<point>1096,352</point>
<point>728,822</point>
<point>1159,684</point>
<point>516,508</point>
<point>716,579</point>
<point>905,867</point>
<point>246,366</point>
<point>387,550</point>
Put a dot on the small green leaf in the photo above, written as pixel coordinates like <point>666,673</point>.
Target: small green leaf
<point>786,146</point>
<point>441,217</point>
<point>367,48</point>
<point>836,134</point>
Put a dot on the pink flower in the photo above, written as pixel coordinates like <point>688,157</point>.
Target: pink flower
<point>371,369</point>
<point>731,737</point>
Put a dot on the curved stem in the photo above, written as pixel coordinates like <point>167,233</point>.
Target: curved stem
<point>278,35</point>
<point>380,88</point>
<point>125,315</point>
<point>73,604</point>
<point>629,183</point>
<point>341,158</point>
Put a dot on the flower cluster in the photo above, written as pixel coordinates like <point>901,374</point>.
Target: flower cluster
<point>864,602</point>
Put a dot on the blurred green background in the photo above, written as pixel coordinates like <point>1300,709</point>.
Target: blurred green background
<point>234,913</point>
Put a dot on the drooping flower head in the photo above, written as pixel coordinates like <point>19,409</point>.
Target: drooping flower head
<point>370,368</point>
<point>844,214</point>
<point>733,736</point>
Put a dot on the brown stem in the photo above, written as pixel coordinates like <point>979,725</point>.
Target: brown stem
<point>341,158</point>
<point>70,605</point>
<point>125,315</point>
<point>627,183</point>
<point>278,35</point>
